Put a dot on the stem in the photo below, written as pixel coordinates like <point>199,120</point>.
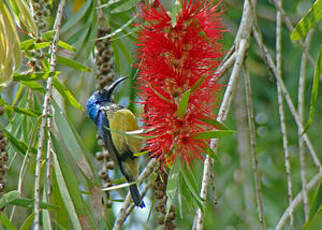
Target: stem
<point>281,110</point>
<point>268,59</point>
<point>223,111</point>
<point>243,150</point>
<point>41,138</point>
<point>298,199</point>
<point>252,135</point>
<point>300,107</point>
<point>291,28</point>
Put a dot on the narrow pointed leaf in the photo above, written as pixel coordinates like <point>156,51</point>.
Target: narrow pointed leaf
<point>183,104</point>
<point>218,125</point>
<point>315,89</point>
<point>198,83</point>
<point>34,86</point>
<point>66,195</point>
<point>20,146</point>
<point>24,111</point>
<point>7,223</point>
<point>72,64</point>
<point>173,181</point>
<point>66,46</point>
<point>213,134</point>
<point>8,197</point>
<point>66,94</point>
<point>28,222</point>
<point>310,19</point>
<point>192,189</point>
<point>34,76</point>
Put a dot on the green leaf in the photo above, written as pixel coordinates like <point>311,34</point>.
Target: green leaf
<point>159,94</point>
<point>72,21</point>
<point>198,83</point>
<point>315,89</point>
<point>213,134</point>
<point>316,202</point>
<point>40,45</point>
<point>28,203</point>
<point>20,146</point>
<point>72,64</point>
<point>183,104</point>
<point>66,46</point>
<point>34,86</point>
<point>25,45</point>
<point>316,222</point>
<point>48,35</point>
<point>310,19</point>
<point>211,153</point>
<point>215,123</point>
<point>140,153</point>
<point>28,222</point>
<point>190,185</point>
<point>34,76</point>
<point>8,197</point>
<point>7,223</point>
<point>24,111</point>
<point>124,6</point>
<point>174,12</point>
<point>66,94</point>
<point>173,181</point>
<point>73,143</point>
<point>66,196</point>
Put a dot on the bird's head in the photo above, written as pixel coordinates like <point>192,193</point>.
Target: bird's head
<point>100,98</point>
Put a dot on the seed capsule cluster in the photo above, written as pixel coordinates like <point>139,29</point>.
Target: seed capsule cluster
<point>104,59</point>
<point>108,164</point>
<point>3,161</point>
<point>41,10</point>
<point>159,192</point>
<point>41,13</point>
<point>104,77</point>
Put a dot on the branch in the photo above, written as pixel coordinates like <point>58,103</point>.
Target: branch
<point>300,107</point>
<point>241,44</point>
<point>291,28</point>
<point>298,199</point>
<point>252,135</point>
<point>225,106</point>
<point>268,59</point>
<point>41,138</point>
<point>281,111</point>
<point>124,211</point>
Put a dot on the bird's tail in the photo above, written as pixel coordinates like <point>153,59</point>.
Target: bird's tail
<point>136,196</point>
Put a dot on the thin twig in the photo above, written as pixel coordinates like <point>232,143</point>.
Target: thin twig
<point>291,28</point>
<point>243,150</point>
<point>298,199</point>
<point>281,111</point>
<point>241,44</point>
<point>300,107</point>
<point>268,59</point>
<point>41,138</point>
<point>126,204</point>
<point>223,111</point>
<point>252,135</point>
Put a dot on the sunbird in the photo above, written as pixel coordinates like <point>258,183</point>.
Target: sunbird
<point>112,120</point>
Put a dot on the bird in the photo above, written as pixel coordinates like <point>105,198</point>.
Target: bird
<point>112,120</point>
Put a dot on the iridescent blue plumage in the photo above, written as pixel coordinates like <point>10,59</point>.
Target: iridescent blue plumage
<point>109,116</point>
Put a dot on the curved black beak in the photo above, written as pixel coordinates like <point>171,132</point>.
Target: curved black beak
<point>109,91</point>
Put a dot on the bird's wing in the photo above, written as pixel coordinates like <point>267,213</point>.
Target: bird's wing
<point>103,129</point>
<point>124,120</point>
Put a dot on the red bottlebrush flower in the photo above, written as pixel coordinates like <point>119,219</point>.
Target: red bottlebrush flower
<point>173,60</point>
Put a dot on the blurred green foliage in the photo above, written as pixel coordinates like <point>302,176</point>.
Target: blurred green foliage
<point>75,135</point>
